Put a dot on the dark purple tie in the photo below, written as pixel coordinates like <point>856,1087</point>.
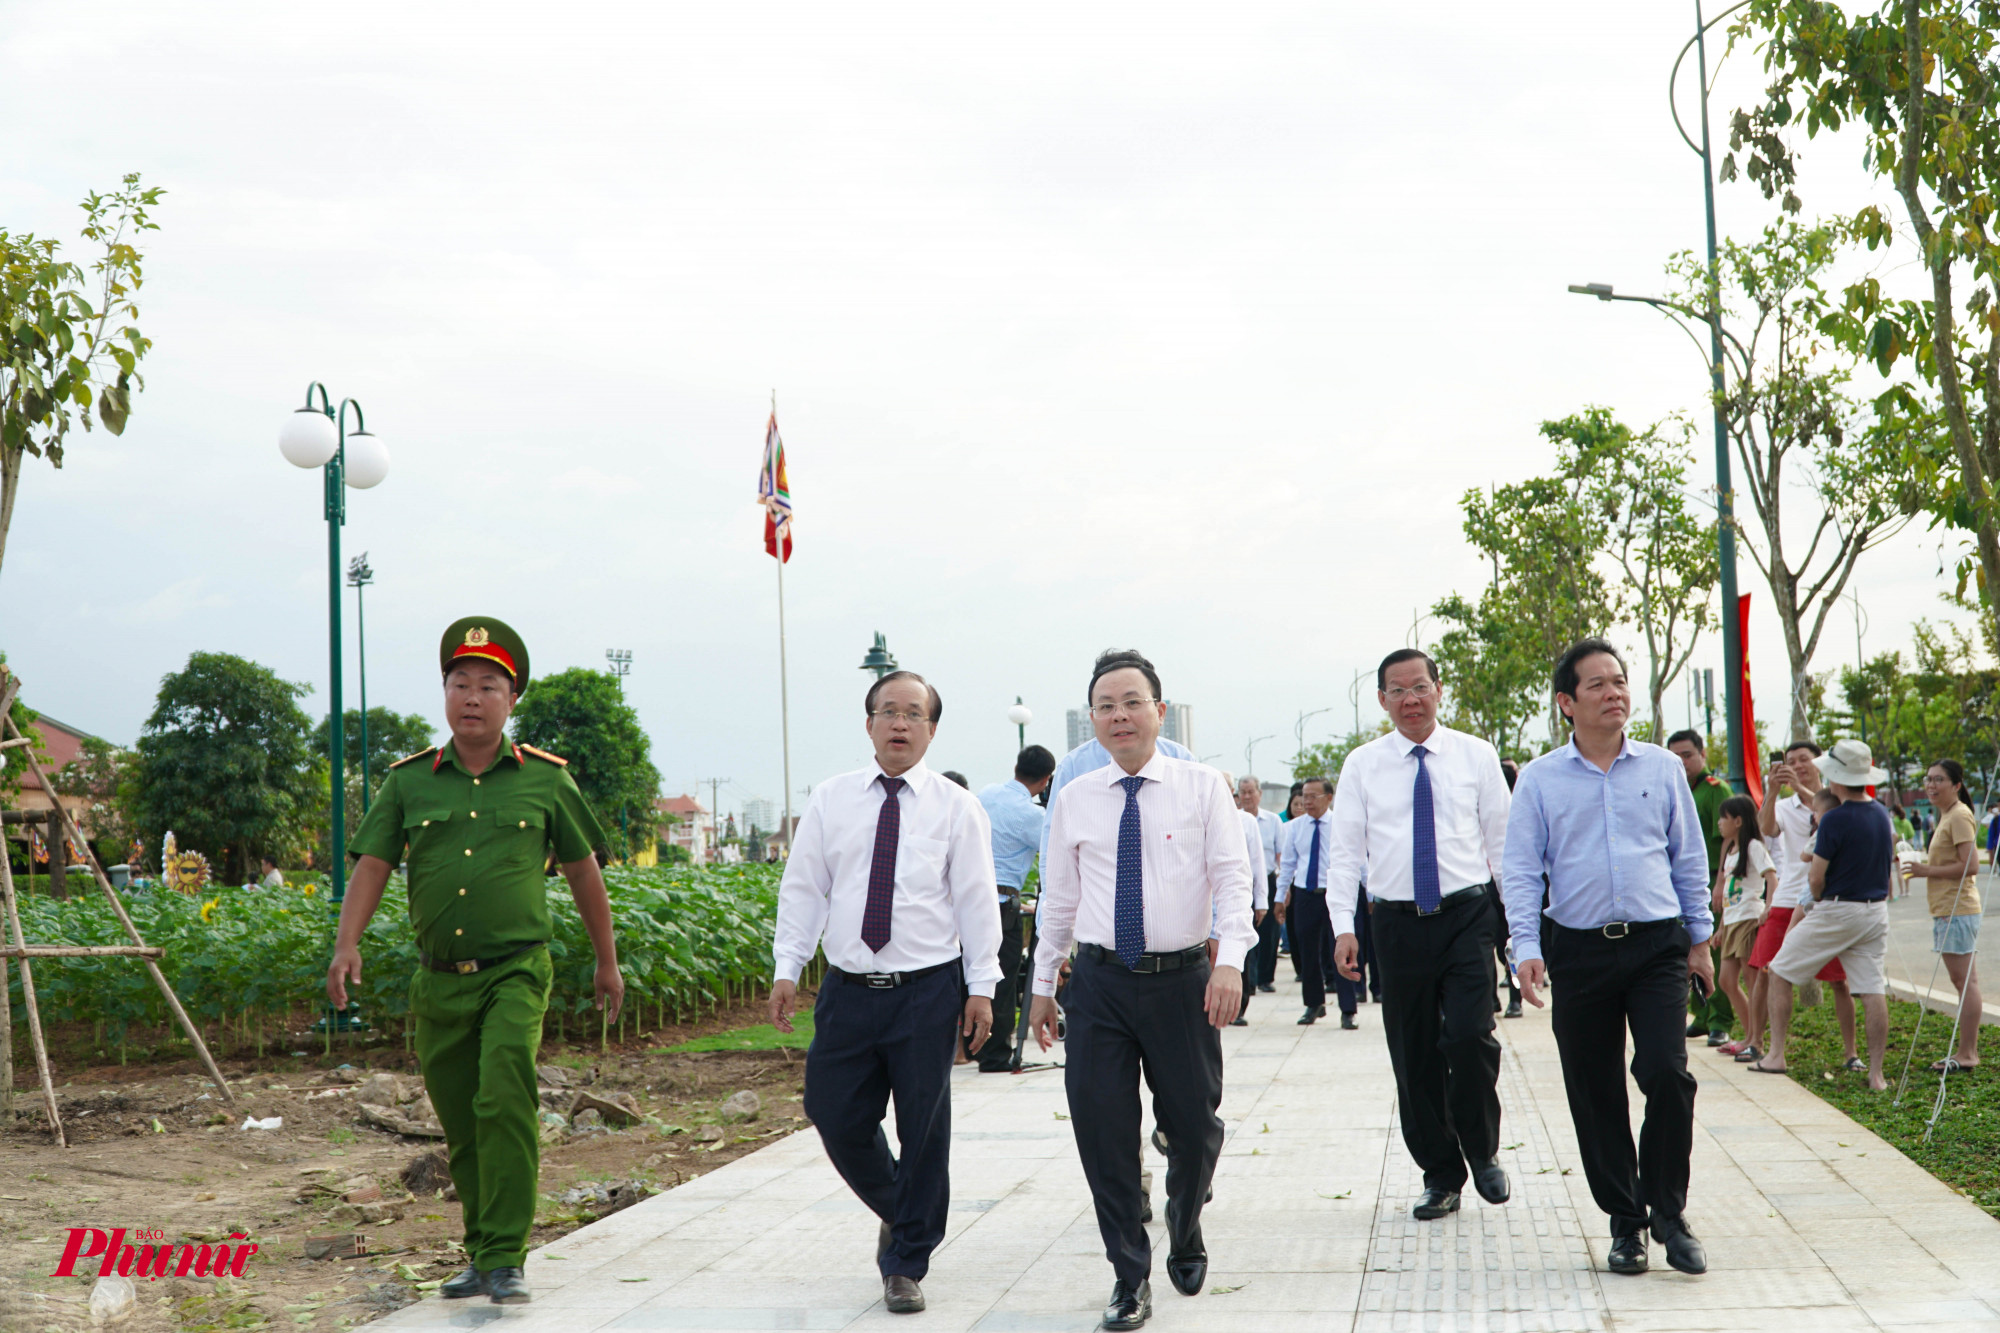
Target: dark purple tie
<point>882,874</point>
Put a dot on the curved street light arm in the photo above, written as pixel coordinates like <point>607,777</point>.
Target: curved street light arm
<point>1672,108</point>
<point>360,425</point>
<point>325,400</point>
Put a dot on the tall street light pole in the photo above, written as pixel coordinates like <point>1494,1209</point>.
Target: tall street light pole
<point>317,437</point>
<point>359,576</point>
<point>1020,715</point>
<point>618,662</point>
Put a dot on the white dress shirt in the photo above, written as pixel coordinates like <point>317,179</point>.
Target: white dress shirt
<point>1373,832</point>
<point>1195,872</point>
<point>1270,828</point>
<point>1253,848</point>
<point>946,904</point>
<point>1295,853</point>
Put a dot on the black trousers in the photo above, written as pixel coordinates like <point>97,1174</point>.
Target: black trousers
<point>1267,940</point>
<point>1312,943</point>
<point>1437,1014</point>
<point>1121,1025</point>
<point>867,1046</point>
<point>1500,937</point>
<point>1602,988</point>
<point>998,1051</point>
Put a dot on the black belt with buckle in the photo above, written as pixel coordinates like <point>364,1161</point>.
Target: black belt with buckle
<point>1617,930</point>
<point>887,980</point>
<point>1451,899</point>
<point>467,966</point>
<point>1149,962</point>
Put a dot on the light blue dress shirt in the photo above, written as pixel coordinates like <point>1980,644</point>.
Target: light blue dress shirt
<point>1623,845</point>
<point>1018,828</point>
<point>1088,758</point>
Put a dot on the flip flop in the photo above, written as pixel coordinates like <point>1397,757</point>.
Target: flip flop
<point>1756,1068</point>
<point>1856,1065</point>
<point>1950,1065</point>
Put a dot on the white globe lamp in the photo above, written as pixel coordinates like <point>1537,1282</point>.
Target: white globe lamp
<point>1020,715</point>
<point>308,439</point>
<point>367,461</point>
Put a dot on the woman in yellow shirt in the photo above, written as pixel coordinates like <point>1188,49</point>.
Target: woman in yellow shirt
<point>1953,872</point>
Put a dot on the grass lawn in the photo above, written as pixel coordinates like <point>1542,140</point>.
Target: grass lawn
<point>1964,1151</point>
<point>762,1037</point>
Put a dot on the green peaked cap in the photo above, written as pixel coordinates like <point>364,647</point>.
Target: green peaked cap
<point>487,640</point>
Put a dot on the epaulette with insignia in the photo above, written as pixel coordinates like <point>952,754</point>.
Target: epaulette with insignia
<point>418,755</point>
<point>543,754</point>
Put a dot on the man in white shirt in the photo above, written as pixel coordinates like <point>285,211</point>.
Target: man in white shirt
<point>1263,975</point>
<point>1260,899</point>
<point>1304,861</point>
<point>1146,861</point>
<point>892,872</point>
<point>1421,816</point>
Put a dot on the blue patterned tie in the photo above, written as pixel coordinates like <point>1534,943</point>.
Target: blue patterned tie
<point>1128,918</point>
<point>1312,860</point>
<point>1424,854</point>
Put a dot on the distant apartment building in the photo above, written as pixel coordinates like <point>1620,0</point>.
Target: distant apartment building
<point>760,814</point>
<point>1179,726</point>
<point>1079,727</point>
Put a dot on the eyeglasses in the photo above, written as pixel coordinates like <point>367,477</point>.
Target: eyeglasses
<point>1104,712</point>
<point>1418,692</point>
<point>891,715</point>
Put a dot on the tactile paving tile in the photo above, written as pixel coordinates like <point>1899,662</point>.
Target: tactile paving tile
<point>1523,1267</point>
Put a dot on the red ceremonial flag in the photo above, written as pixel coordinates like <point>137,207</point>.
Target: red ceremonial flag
<point>775,493</point>
<point>1753,762</point>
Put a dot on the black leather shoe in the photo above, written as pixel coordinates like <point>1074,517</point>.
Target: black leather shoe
<point>1684,1252</point>
<point>1188,1271</point>
<point>1239,1022</point>
<point>1491,1182</point>
<point>1319,1011</point>
<point>902,1295</point>
<point>1514,1007</point>
<point>1307,1019</point>
<point>1628,1254</point>
<point>882,1243</point>
<point>508,1286</point>
<point>1130,1307</point>
<point>1267,989</point>
<point>1717,1037</point>
<point>1435,1204</point>
<point>1697,1028</point>
<point>469,1283</point>
<point>1347,1023</point>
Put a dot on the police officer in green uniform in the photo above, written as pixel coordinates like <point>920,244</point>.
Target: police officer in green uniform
<point>1711,1014</point>
<point>478,818</point>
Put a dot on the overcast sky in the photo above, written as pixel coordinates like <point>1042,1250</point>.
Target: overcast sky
<point>1181,328</point>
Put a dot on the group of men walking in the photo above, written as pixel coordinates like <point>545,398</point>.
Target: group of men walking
<point>1160,886</point>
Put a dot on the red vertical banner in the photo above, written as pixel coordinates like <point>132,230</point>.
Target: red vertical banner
<point>1753,760</point>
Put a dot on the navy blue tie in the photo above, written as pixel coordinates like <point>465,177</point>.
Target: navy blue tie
<point>1128,918</point>
<point>1312,860</point>
<point>1424,853</point>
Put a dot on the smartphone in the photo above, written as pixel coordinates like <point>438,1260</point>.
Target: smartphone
<point>1699,987</point>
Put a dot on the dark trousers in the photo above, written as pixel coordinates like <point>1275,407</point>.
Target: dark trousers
<point>1348,993</point>
<point>1437,1014</point>
<point>1715,1013</point>
<point>1123,1024</point>
<point>1500,937</point>
<point>998,1052</point>
<point>867,1046</point>
<point>1312,944</point>
<point>1603,987</point>
<point>1266,952</point>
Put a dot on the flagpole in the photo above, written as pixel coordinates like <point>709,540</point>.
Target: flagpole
<point>784,701</point>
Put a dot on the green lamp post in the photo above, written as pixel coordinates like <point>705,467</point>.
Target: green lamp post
<point>318,437</point>
<point>879,659</point>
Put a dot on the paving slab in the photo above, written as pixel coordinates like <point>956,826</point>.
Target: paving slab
<point>1811,1222</point>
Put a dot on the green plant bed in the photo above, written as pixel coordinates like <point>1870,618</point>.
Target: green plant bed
<point>762,1037</point>
<point>1964,1151</point>
<point>245,962</point>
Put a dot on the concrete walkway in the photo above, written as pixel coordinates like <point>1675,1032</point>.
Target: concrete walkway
<point>1810,1222</point>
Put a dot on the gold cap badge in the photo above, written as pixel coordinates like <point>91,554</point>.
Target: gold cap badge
<point>476,637</point>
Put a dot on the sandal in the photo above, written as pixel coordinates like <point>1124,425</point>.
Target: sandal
<point>1856,1065</point>
<point>1729,1048</point>
<point>1760,1068</point>
<point>1747,1054</point>
<point>1950,1065</point>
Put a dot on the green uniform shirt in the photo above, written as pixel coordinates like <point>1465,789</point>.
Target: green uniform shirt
<point>478,846</point>
<point>1710,792</point>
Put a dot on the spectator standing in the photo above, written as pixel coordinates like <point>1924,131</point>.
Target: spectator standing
<point>1788,821</point>
<point>1017,833</point>
<point>1952,874</point>
<point>1744,883</point>
<point>1609,824</point>
<point>1260,896</point>
<point>1711,1013</point>
<point>1303,862</point>
<point>1854,856</point>
<point>272,879</point>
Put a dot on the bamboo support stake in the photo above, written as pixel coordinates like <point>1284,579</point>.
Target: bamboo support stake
<point>6,1039</point>
<point>80,951</point>
<point>28,984</point>
<point>111,896</point>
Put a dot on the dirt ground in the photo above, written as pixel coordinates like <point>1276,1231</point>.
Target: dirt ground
<point>152,1149</point>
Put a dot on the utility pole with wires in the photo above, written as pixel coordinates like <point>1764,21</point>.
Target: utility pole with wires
<point>715,816</point>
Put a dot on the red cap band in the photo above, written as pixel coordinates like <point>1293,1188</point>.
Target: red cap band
<point>492,652</point>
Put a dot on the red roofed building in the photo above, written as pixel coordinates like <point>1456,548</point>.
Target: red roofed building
<point>694,833</point>
<point>62,743</point>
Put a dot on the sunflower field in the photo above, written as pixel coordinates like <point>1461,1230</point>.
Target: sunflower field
<point>250,964</point>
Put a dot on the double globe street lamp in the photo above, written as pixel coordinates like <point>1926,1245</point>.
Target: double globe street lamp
<point>318,437</point>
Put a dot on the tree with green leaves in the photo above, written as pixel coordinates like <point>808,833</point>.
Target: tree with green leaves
<point>391,736</point>
<point>1921,82</point>
<point>69,346</point>
<point>582,715</point>
<point>226,762</point>
<point>1495,679</point>
<point>1324,760</point>
<point>1822,472</point>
